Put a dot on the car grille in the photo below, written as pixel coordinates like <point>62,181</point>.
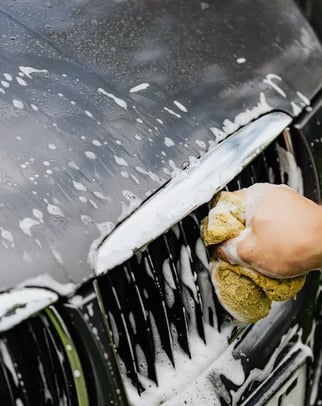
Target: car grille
<point>161,299</point>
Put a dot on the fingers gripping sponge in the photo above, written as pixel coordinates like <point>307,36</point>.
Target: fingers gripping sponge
<point>246,294</point>
<point>226,219</point>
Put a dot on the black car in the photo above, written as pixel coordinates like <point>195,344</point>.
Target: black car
<point>119,120</point>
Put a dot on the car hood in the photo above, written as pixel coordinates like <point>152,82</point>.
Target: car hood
<point>101,103</point>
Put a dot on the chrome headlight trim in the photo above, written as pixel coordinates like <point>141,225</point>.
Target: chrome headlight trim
<point>187,191</point>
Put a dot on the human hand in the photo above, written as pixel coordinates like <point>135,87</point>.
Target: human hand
<point>283,234</point>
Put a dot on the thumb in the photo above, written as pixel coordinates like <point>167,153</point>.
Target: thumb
<point>228,250</point>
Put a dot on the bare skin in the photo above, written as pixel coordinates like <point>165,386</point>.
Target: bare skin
<point>283,236</point>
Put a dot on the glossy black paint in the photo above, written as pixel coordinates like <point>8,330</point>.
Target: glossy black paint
<point>77,149</point>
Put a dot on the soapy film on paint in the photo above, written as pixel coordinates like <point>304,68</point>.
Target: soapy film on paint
<point>245,294</point>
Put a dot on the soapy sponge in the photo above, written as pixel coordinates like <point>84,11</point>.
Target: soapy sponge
<point>245,294</point>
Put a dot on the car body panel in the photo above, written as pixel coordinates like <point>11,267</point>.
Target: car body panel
<point>103,102</point>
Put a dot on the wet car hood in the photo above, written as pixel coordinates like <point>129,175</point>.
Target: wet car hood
<point>101,103</point>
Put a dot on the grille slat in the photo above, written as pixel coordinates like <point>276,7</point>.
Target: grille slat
<point>172,276</point>
<point>115,302</point>
<point>194,288</point>
<point>260,169</point>
<point>162,321</point>
<point>153,302</point>
<point>273,166</point>
<point>39,330</point>
<point>246,177</point>
<point>254,177</point>
<point>13,390</point>
<point>262,158</point>
<point>143,326</point>
<point>6,393</point>
<point>201,261</point>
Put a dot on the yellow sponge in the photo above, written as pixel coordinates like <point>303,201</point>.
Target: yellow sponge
<point>246,294</point>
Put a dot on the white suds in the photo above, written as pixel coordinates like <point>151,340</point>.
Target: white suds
<point>89,114</point>
<point>139,87</point>
<point>79,186</point>
<point>150,174</point>
<point>28,70</point>
<point>26,224</point>
<point>243,118</point>
<point>18,104</point>
<point>180,106</point>
<point>5,84</point>
<point>25,302</point>
<point>201,144</point>
<point>270,81</point>
<point>304,99</point>
<point>241,60</point>
<point>169,142</point>
<point>171,112</point>
<point>90,154</point>
<point>296,108</point>
<point>21,81</point>
<point>54,210</point>
<point>8,76</point>
<point>120,161</point>
<point>73,165</point>
<point>117,100</point>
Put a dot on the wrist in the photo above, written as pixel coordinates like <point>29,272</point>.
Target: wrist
<point>315,242</point>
